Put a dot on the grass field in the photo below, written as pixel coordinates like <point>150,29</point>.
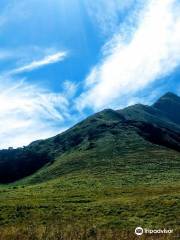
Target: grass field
<point>100,203</point>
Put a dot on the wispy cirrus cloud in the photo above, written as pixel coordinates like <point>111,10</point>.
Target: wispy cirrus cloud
<point>130,64</point>
<point>35,64</point>
<point>106,14</point>
<point>29,112</point>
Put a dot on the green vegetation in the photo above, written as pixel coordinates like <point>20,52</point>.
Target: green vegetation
<point>105,176</point>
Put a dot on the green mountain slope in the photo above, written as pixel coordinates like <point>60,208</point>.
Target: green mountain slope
<point>107,145</point>
<point>102,178</point>
<point>119,131</point>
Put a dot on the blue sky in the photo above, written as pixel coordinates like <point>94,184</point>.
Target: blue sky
<point>61,61</point>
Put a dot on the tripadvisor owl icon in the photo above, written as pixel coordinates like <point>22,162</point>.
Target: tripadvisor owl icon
<point>139,231</point>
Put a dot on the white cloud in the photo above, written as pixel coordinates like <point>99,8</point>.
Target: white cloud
<point>28,113</point>
<point>105,14</point>
<point>50,59</point>
<point>129,65</point>
<point>69,88</point>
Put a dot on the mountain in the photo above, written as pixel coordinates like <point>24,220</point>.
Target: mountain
<point>108,133</point>
<point>112,172</point>
<point>169,104</point>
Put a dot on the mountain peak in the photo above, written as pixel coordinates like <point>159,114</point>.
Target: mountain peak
<point>170,95</point>
<point>169,104</point>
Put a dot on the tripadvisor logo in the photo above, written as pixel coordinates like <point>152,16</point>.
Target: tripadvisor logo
<point>139,231</point>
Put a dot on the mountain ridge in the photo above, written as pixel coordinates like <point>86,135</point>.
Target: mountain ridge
<point>149,125</point>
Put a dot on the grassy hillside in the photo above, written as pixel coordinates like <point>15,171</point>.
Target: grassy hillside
<point>105,176</point>
<point>130,191</point>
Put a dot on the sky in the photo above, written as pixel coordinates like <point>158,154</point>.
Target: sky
<point>61,61</point>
